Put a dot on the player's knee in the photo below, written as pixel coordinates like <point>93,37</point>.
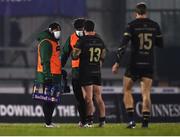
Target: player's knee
<point>98,99</point>
<point>101,102</point>
<point>126,88</point>
<point>88,100</point>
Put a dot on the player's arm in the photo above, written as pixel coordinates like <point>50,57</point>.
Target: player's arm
<point>46,53</point>
<point>103,53</point>
<point>125,40</point>
<point>66,51</point>
<point>77,50</point>
<point>159,37</point>
<point>121,50</point>
<point>102,57</point>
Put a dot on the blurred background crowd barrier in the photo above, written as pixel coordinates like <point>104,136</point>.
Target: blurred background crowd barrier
<point>22,20</point>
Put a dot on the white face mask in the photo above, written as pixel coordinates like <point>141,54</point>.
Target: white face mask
<point>79,33</point>
<point>57,34</point>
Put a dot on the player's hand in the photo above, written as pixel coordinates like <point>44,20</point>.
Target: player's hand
<point>115,68</point>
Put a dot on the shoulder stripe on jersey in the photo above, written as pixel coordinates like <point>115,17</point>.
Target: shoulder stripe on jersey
<point>127,34</point>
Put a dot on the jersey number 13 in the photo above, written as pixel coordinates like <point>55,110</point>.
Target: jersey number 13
<point>95,54</point>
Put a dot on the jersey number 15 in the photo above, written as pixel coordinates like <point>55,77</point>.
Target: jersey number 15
<point>145,41</point>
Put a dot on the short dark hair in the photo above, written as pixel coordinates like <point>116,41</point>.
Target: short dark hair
<point>141,8</point>
<point>54,26</point>
<point>79,23</point>
<point>89,25</point>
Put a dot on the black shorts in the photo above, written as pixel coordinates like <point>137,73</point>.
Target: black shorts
<point>90,80</point>
<point>138,73</point>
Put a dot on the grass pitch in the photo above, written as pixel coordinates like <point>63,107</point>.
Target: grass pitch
<point>163,129</point>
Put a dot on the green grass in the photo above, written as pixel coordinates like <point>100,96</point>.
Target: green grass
<point>162,129</point>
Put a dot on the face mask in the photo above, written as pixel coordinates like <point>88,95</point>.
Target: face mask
<point>79,33</point>
<point>57,34</point>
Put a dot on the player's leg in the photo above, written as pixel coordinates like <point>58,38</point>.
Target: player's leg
<point>100,103</point>
<point>81,104</point>
<point>48,109</point>
<point>88,89</point>
<point>146,84</point>
<point>128,100</point>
